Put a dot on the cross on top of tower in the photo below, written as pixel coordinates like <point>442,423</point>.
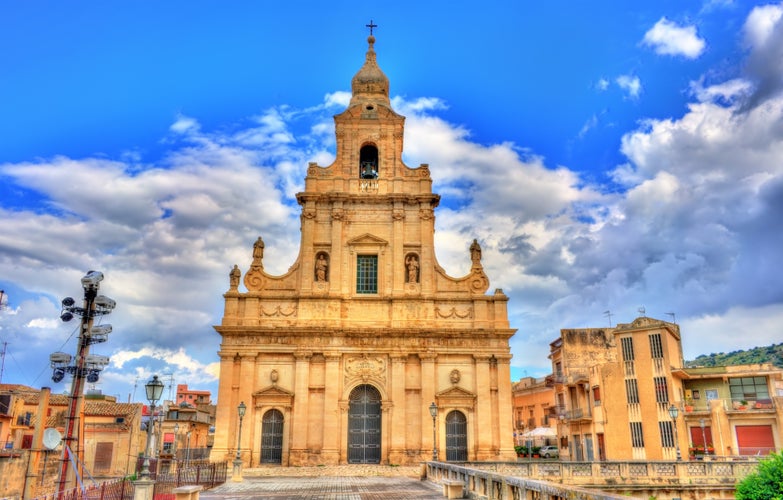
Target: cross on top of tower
<point>371,26</point>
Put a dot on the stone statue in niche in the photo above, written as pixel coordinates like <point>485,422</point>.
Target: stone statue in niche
<point>321,268</point>
<point>412,265</point>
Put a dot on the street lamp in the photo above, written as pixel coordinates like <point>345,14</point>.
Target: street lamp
<point>241,409</point>
<point>154,391</point>
<point>434,414</point>
<point>673,412</point>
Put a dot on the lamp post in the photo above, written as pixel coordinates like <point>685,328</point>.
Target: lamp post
<point>434,414</point>
<point>237,472</point>
<point>673,412</point>
<point>154,391</point>
<point>187,456</point>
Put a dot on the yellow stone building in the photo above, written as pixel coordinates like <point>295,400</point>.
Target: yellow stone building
<point>340,359</point>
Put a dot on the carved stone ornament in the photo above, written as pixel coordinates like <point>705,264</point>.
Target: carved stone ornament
<point>365,367</point>
<point>254,279</point>
<point>455,376</point>
<point>274,376</point>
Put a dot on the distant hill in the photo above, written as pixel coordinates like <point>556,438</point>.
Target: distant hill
<point>770,354</point>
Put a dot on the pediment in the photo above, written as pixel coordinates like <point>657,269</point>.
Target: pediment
<point>367,239</point>
<point>455,392</point>
<point>273,391</point>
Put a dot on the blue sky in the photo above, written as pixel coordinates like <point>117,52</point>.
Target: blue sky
<point>608,156</point>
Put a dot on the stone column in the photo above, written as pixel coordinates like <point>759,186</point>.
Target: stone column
<point>332,414</point>
<point>143,489</point>
<point>505,405</point>
<point>301,398</point>
<point>483,414</point>
<point>429,387</point>
<point>398,412</point>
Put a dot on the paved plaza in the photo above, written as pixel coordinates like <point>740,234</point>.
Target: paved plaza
<point>354,482</point>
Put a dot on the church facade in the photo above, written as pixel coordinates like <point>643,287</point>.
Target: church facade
<point>365,351</point>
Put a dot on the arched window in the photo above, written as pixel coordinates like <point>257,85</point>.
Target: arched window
<point>368,162</point>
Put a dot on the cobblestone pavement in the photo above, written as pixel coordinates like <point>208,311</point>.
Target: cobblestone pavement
<point>342,482</point>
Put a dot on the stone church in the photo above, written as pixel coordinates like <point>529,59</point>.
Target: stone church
<point>365,351</point>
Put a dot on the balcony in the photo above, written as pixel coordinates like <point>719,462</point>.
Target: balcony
<point>578,414</point>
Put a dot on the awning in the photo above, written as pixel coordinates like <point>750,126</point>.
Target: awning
<point>543,432</point>
<point>168,437</point>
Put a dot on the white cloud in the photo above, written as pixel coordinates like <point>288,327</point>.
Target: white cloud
<point>668,38</point>
<point>630,84</point>
<point>761,24</point>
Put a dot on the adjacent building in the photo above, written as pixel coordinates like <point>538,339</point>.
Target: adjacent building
<point>622,394</point>
<point>343,358</point>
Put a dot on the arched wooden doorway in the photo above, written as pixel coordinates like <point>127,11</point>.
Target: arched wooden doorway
<point>364,425</point>
<point>456,437</point>
<point>272,437</point>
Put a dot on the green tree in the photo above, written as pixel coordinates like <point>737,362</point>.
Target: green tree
<point>764,484</point>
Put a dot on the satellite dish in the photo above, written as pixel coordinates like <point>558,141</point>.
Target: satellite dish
<point>51,438</point>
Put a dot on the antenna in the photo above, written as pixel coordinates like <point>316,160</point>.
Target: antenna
<point>170,378</point>
<point>674,320</point>
<point>2,361</point>
<point>609,315</point>
<point>642,311</point>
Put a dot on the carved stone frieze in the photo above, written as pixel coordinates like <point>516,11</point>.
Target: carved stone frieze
<point>365,367</point>
<point>277,311</point>
<point>454,312</point>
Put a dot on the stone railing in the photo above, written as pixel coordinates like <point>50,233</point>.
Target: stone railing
<point>482,484</point>
<point>640,478</point>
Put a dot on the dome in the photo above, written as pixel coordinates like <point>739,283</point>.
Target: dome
<point>370,83</point>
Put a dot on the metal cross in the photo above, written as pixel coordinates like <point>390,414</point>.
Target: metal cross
<point>371,26</point>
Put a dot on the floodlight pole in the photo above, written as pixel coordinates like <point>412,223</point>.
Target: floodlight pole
<point>76,399</point>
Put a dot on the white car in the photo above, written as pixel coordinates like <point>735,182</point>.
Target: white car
<point>549,452</point>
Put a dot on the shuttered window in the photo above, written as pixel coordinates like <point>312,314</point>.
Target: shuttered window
<point>103,456</point>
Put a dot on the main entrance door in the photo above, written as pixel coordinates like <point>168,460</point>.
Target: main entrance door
<point>456,437</point>
<point>272,437</point>
<point>364,426</point>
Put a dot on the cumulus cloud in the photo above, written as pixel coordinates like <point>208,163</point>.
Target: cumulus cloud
<point>691,225</point>
<point>669,38</point>
<point>763,36</point>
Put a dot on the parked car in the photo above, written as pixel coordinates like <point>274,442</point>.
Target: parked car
<point>549,452</point>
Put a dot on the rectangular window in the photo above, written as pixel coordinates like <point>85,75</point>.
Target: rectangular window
<point>597,396</point>
<point>748,388</point>
<point>656,347</point>
<point>631,391</point>
<point>661,390</point>
<point>627,346</point>
<point>103,455</point>
<point>367,274</point>
<point>667,434</point>
<point>637,438</point>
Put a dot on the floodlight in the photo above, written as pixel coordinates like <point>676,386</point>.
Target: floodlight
<point>59,358</point>
<point>66,316</point>
<point>58,375</point>
<point>101,330</point>
<point>105,302</point>
<point>68,302</point>
<point>96,360</point>
<point>91,279</point>
<point>92,377</point>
